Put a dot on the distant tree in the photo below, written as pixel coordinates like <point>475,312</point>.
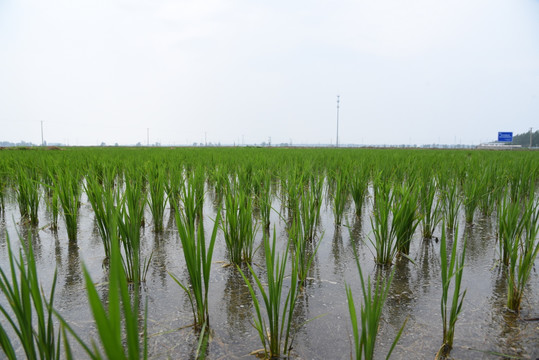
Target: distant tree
<point>524,139</point>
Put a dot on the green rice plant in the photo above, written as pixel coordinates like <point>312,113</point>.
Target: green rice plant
<point>264,198</point>
<point>27,311</point>
<point>451,269</point>
<point>359,187</point>
<point>157,199</point>
<point>198,179</point>
<point>451,204</point>
<point>309,211</point>
<point>370,315</point>
<point>119,311</point>
<point>274,327</point>
<point>522,255</point>
<point>510,228</point>
<point>385,242</point>
<point>472,196</point>
<point>340,196</point>
<point>103,203</point>
<point>303,245</point>
<point>238,226</point>
<point>429,207</point>
<point>130,217</point>
<point>69,191</point>
<point>197,257</point>
<point>405,215</point>
<point>490,186</point>
<point>28,194</point>
<point>173,186</point>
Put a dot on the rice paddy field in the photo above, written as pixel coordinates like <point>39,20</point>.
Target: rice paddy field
<point>238,253</point>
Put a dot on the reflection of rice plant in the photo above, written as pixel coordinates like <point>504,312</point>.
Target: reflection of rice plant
<point>522,255</point>
<point>451,269</point>
<point>274,329</point>
<point>197,256</point>
<point>28,311</point>
<point>370,315</point>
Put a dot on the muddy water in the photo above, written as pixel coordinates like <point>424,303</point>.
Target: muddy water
<point>484,331</point>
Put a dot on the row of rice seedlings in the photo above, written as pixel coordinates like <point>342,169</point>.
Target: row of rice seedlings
<point>364,336</point>
<point>451,269</point>
<point>490,184</point>
<point>429,207</point>
<point>238,225</point>
<point>405,215</point>
<point>28,194</point>
<point>158,199</point>
<point>275,324</point>
<point>522,252</point>
<point>197,257</point>
<point>116,319</point>
<point>173,182</point>
<point>130,217</point>
<point>28,311</point>
<point>308,208</point>
<point>68,184</point>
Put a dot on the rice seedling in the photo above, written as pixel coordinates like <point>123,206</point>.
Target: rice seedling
<point>522,255</point>
<point>103,204</point>
<point>237,224</point>
<point>28,194</point>
<point>429,207</point>
<point>119,310</point>
<point>308,211</point>
<point>274,327</point>
<point>384,242</point>
<point>405,219</point>
<point>510,228</point>
<point>130,219</point>
<point>340,196</point>
<point>303,246</point>
<point>157,199</point>
<point>69,191</point>
<point>359,186</point>
<point>451,268</point>
<point>172,188</point>
<point>28,312</point>
<point>197,257</point>
<point>370,315</point>
<point>451,204</point>
<point>472,195</point>
<point>264,198</point>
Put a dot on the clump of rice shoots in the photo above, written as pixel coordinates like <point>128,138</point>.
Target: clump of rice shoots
<point>340,196</point>
<point>28,194</point>
<point>275,324</point>
<point>157,199</point>
<point>385,240</point>
<point>451,269</point>
<point>405,215</point>
<point>364,336</point>
<point>197,256</point>
<point>28,311</point>
<point>522,255</point>
<point>429,207</point>
<point>451,204</point>
<point>69,191</point>
<point>359,187</point>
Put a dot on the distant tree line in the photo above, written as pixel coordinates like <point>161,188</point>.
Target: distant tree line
<point>524,139</point>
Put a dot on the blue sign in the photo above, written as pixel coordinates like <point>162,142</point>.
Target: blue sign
<point>505,136</point>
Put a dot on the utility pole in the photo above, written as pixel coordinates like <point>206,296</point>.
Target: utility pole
<point>42,142</point>
<point>337,142</point>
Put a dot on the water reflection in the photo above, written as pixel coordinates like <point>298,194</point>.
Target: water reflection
<point>238,301</point>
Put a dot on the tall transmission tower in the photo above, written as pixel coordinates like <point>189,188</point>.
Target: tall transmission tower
<point>337,141</point>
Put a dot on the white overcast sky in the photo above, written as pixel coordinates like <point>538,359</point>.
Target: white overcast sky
<point>407,71</point>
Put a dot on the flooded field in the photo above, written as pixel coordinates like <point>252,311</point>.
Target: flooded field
<point>321,326</point>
